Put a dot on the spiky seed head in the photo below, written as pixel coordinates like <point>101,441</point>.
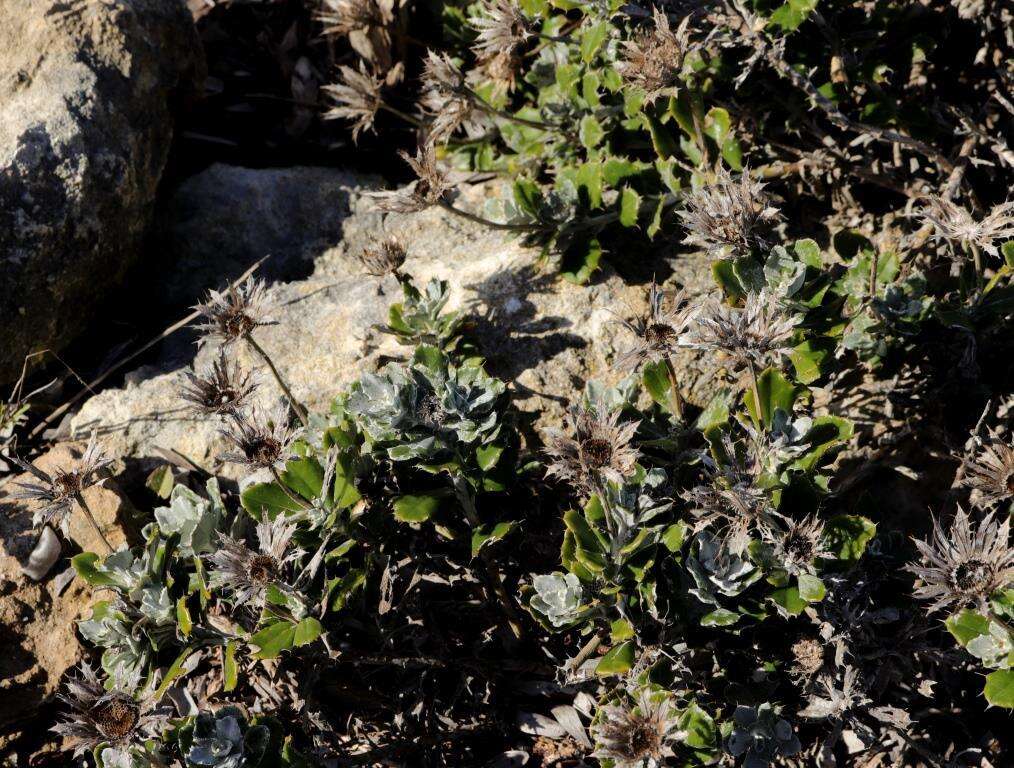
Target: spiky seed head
<point>97,716</point>
<point>428,190</point>
<point>653,60</point>
<point>808,658</point>
<point>729,215</point>
<point>56,493</point>
<point>256,442</point>
<point>235,312</point>
<point>221,390</point>
<point>955,224</point>
<point>799,544</point>
<point>659,331</point>
<point>759,332</point>
<point>500,28</point>
<point>357,97</point>
<point>991,472</point>
<point>638,735</point>
<point>341,17</point>
<point>966,565</point>
<point>598,448</point>
<point>247,572</point>
<point>383,257</point>
<point>445,99</point>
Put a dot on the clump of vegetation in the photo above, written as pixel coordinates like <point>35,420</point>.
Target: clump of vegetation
<point>662,581</point>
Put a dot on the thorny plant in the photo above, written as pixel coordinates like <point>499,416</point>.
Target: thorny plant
<point>697,532</point>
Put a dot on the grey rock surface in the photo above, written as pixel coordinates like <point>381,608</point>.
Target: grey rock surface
<point>545,336</point>
<point>86,90</point>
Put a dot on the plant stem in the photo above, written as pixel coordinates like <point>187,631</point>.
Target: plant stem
<point>296,405</point>
<point>79,497</point>
<point>301,503</point>
<point>484,106</point>
<point>586,652</point>
<point>977,263</point>
<point>756,394</point>
<point>486,222</point>
<point>607,510</point>
<point>495,580</point>
<point>410,119</point>
<point>676,397</point>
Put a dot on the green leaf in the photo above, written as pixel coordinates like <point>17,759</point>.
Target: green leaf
<point>161,481</point>
<point>416,508</point>
<point>1007,249</point>
<point>581,260</point>
<point>808,252</point>
<point>661,139</point>
<point>273,639</point>
<point>699,727</point>
<point>304,476</point>
<point>183,619</point>
<point>656,381</point>
<point>811,588</point>
<point>720,617</point>
<point>590,132</point>
<point>588,547</point>
<point>788,601</point>
<point>674,536</point>
<point>620,630</point>
<point>630,205</point>
<point>592,38</point>
<point>230,670</point>
<point>775,391</point>
<point>791,14</point>
<point>175,670</point>
<point>847,536</point>
<point>488,456</point>
<point>618,661</point>
<point>999,690</point>
<point>306,631</point>
<point>488,534</point>
<point>266,498</point>
<point>966,626</point>
<point>806,359</point>
<point>84,565</point>
<point>717,124</point>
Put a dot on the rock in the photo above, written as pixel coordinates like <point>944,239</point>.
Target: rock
<point>86,90</point>
<point>37,619</point>
<point>541,333</point>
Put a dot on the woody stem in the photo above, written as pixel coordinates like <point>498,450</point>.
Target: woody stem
<point>756,394</point>
<point>675,396</point>
<point>79,497</point>
<point>296,405</point>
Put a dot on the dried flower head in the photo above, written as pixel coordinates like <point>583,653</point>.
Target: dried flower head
<point>342,17</point>
<point>500,28</point>
<point>729,215</point>
<point>58,492</point>
<point>599,449</point>
<point>248,572</point>
<point>428,189</point>
<point>221,391</point>
<point>98,716</point>
<point>653,60</point>
<point>991,472</point>
<point>952,222</point>
<point>257,443</point>
<point>383,257</point>
<point>757,333</point>
<point>798,544</point>
<point>234,313</point>
<point>807,658</point>
<point>965,565</point>
<point>357,97</point>
<point>639,736</point>
<point>445,98</point>
<point>733,505</point>
<point>659,331</point>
